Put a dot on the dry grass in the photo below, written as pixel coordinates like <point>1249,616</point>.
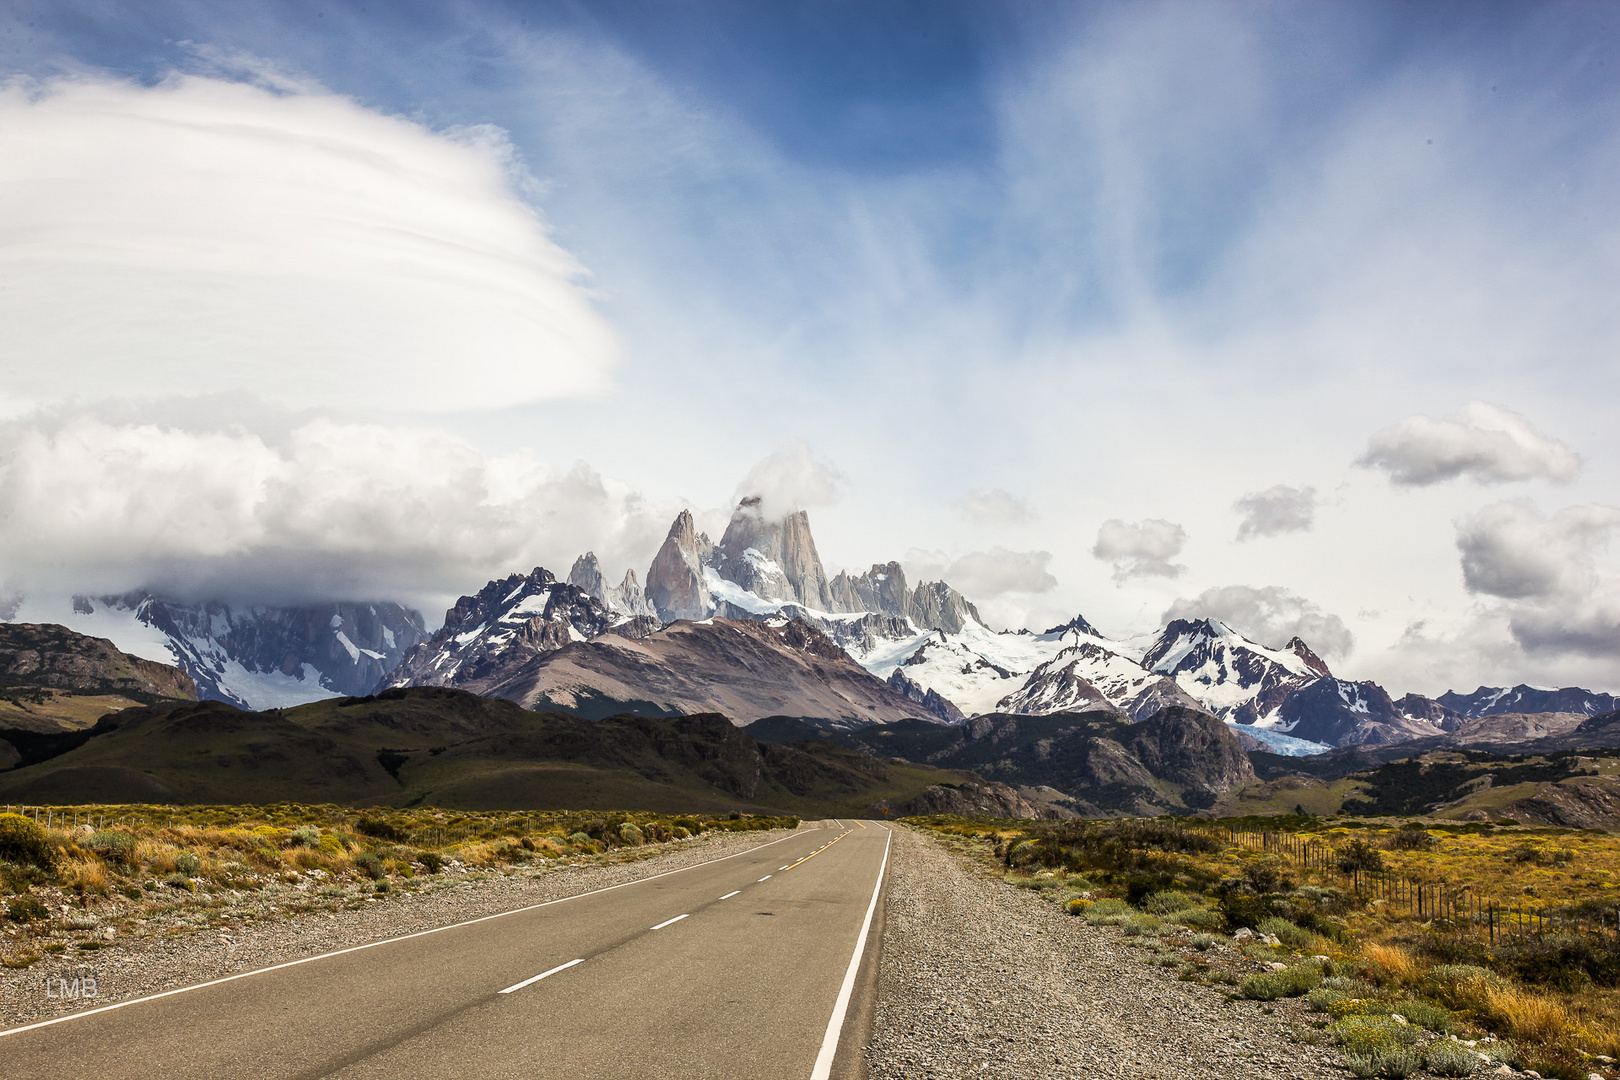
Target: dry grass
<point>1390,965</point>
<point>86,877</point>
<point>1520,1013</point>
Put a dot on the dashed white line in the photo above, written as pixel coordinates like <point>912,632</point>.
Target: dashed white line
<point>784,867</point>
<point>767,877</point>
<point>729,895</point>
<point>542,975</point>
<point>669,922</point>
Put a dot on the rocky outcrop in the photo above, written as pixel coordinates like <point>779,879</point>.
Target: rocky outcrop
<point>1343,713</point>
<point>675,585</point>
<point>1429,711</point>
<point>1193,750</point>
<point>971,799</point>
<point>937,606</point>
<point>626,598</point>
<point>505,625</point>
<point>57,658</point>
<point>928,699</point>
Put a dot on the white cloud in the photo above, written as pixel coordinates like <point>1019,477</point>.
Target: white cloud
<point>1276,510</point>
<point>203,234</point>
<point>1142,548</point>
<point>995,507</point>
<point>791,479</point>
<point>997,571</point>
<point>1487,444</point>
<point>321,510</point>
<point>1270,616</point>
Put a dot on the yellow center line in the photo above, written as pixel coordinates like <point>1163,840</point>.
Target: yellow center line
<point>820,849</point>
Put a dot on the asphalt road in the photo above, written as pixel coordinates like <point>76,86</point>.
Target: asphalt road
<point>739,969</point>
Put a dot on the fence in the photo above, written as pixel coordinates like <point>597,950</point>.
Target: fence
<point>1461,906</point>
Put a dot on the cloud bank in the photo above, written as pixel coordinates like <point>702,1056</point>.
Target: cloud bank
<point>318,511</point>
<point>1277,510</point>
<point>1484,443</point>
<point>204,235</point>
<point>791,479</point>
<point>1270,616</point>
<point>1140,549</point>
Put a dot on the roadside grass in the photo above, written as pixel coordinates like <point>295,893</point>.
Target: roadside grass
<point>1549,1002</point>
<point>124,864</point>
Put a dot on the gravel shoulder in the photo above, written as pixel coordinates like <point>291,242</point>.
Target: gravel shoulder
<point>980,979</point>
<point>212,935</point>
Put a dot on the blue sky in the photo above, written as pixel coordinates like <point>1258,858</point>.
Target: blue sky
<point>971,281</point>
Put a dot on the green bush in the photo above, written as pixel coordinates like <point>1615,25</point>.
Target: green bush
<point>1198,918</point>
<point>1321,999</point>
<point>630,835</point>
<point>187,863</point>
<point>22,841</point>
<point>1393,1062</point>
<point>1360,855</point>
<point>1271,985</point>
<point>1366,1035</point>
<point>579,839</point>
<point>689,824</point>
<point>1204,942</point>
<point>113,845</point>
<point>26,908</point>
<point>1168,901</point>
<point>1428,1016</point>
<point>1283,931</point>
<point>371,866</point>
<point>431,861</point>
<point>1445,1057</point>
<point>304,836</point>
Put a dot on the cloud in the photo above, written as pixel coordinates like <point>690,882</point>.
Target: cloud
<point>1510,551</point>
<point>1276,510</point>
<point>1141,549</point>
<point>995,507</point>
<point>1487,444</point>
<point>203,235</point>
<point>1558,602</point>
<point>319,510</point>
<point>1270,616</point>
<point>790,479</point>
<point>997,571</point>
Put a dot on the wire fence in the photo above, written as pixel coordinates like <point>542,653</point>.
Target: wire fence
<point>1462,908</point>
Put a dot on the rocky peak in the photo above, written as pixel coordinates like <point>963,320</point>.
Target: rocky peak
<point>625,599</point>
<point>775,560</point>
<point>675,585</point>
<point>937,606</point>
<point>1297,646</point>
<point>1079,624</point>
<point>881,589</point>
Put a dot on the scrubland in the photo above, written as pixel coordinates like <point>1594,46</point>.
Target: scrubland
<point>1399,992</point>
<point>98,873</point>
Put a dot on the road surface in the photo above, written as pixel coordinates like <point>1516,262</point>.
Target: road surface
<point>749,967</point>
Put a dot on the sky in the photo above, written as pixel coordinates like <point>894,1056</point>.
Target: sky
<point>1298,315</point>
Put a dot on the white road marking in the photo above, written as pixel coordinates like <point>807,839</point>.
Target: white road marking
<point>542,975</point>
<point>829,1042</point>
<point>668,922</point>
<point>729,895</point>
<point>767,877</point>
<point>784,867</point>
<point>374,944</point>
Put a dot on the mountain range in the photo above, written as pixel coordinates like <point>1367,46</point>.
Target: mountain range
<point>753,626</point>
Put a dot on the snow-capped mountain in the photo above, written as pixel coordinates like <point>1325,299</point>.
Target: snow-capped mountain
<point>253,657</point>
<point>1492,700</point>
<point>507,623</point>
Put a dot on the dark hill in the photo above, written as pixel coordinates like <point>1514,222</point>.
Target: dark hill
<point>450,748</point>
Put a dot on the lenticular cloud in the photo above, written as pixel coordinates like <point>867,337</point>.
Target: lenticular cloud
<point>204,235</point>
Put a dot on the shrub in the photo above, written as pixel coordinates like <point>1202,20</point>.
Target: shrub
<point>371,866</point>
<point>187,863</point>
<point>1428,1016</point>
<point>1271,985</point>
<point>1412,837</point>
<point>330,844</point>
<point>1136,925</point>
<point>431,861</point>
<point>382,830</point>
<point>115,846</point>
<point>304,836</point>
<point>1395,1062</point>
<point>681,832</point>
<point>1283,931</point>
<point>579,839</point>
<point>631,835</point>
<point>689,824</point>
<point>1366,1035</point>
<point>1360,855</point>
<point>1521,1014</point>
<point>22,841</point>
<point>1198,918</point>
<point>1204,942</point>
<point>1168,901</point>
<point>26,908</point>
<point>1445,1057</point>
<point>1242,909</point>
<point>1322,999</point>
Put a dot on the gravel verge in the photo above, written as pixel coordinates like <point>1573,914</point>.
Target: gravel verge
<point>980,979</point>
<point>212,935</point>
